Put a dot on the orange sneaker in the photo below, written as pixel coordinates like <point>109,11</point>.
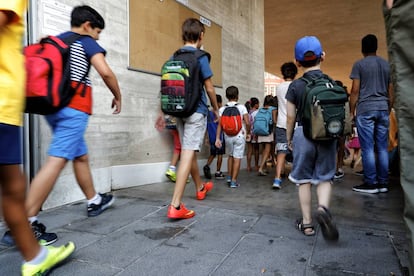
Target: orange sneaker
<point>207,187</point>
<point>183,213</point>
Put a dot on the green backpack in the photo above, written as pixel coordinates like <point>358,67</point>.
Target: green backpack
<point>325,109</point>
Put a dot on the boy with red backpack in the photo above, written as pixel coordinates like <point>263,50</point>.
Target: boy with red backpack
<point>235,123</point>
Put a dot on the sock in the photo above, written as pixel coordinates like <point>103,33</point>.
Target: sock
<point>95,200</point>
<point>40,257</point>
<point>32,219</point>
<point>171,167</point>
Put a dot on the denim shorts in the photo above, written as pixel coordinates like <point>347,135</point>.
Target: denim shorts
<point>10,144</point>
<point>313,162</point>
<point>192,130</point>
<point>281,141</point>
<point>68,126</point>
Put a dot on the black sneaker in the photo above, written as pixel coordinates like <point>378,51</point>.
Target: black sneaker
<point>366,188</point>
<point>219,175</point>
<point>383,188</point>
<point>207,172</point>
<point>361,173</point>
<point>41,235</point>
<point>339,174</point>
<point>96,209</point>
<point>39,230</point>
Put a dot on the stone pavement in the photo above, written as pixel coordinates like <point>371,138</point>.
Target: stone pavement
<point>244,231</point>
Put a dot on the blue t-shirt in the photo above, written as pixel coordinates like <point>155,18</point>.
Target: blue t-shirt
<point>206,73</point>
<point>374,75</point>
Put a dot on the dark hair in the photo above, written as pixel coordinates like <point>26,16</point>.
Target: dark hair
<point>289,70</point>
<point>248,105</point>
<point>232,93</point>
<point>219,98</point>
<point>82,14</point>
<point>369,44</point>
<point>268,100</point>
<point>310,63</point>
<point>254,101</point>
<point>192,29</point>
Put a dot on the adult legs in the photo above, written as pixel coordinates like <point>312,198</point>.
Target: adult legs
<point>381,142</point>
<point>366,125</point>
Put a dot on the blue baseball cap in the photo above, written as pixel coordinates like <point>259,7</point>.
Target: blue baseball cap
<point>308,44</point>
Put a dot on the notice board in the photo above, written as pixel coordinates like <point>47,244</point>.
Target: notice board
<point>155,33</point>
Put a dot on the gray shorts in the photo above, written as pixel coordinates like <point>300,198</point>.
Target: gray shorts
<point>235,145</point>
<point>192,130</point>
<point>313,162</point>
<point>281,141</point>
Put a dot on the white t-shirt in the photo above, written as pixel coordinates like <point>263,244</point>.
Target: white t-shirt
<point>281,90</point>
<point>242,109</point>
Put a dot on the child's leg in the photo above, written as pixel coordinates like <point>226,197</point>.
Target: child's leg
<point>210,159</point>
<point>186,163</point>
<point>13,190</point>
<point>249,156</point>
<point>265,156</point>
<point>324,191</point>
<point>235,169</point>
<point>305,200</point>
<point>256,156</point>
<point>230,166</point>
<point>219,162</point>
<point>84,176</point>
<point>280,164</point>
<point>43,183</point>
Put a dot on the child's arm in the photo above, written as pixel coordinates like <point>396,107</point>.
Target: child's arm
<point>99,63</point>
<point>218,143</point>
<point>290,122</point>
<point>247,123</point>
<point>211,92</point>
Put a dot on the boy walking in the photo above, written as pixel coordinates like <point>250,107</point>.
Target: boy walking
<point>212,125</point>
<point>37,258</point>
<point>192,129</point>
<point>235,144</point>
<point>69,124</point>
<point>313,162</point>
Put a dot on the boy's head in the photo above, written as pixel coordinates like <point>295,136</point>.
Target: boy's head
<point>254,102</point>
<point>289,70</point>
<point>192,30</point>
<point>268,101</point>
<point>308,51</point>
<point>232,93</point>
<point>369,44</point>
<point>82,14</point>
<point>219,100</point>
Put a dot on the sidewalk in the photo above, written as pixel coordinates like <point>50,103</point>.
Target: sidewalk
<point>244,231</point>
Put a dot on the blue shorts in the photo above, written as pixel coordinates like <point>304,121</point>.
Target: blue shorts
<point>10,144</point>
<point>68,126</point>
<point>313,162</point>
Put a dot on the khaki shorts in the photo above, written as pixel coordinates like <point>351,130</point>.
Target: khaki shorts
<point>192,130</point>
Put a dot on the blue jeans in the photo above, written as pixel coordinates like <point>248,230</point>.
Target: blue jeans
<point>373,136</point>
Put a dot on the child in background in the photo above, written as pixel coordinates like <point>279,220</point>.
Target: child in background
<point>354,148</point>
<point>234,144</point>
<point>251,141</point>
<point>212,125</point>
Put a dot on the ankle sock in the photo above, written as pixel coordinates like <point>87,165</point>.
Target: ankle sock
<point>172,168</point>
<point>97,199</point>
<point>32,219</point>
<point>40,257</point>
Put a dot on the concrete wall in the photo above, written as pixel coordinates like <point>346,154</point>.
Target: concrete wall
<point>126,150</point>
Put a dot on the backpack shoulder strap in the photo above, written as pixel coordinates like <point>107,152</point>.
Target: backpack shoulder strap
<point>69,40</point>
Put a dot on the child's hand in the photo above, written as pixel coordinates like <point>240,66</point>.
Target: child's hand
<point>218,144</point>
<point>117,104</point>
<point>160,122</point>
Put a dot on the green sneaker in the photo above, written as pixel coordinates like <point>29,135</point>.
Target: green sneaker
<point>55,255</point>
<point>171,175</point>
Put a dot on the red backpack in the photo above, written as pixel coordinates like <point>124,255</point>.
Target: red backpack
<point>231,120</point>
<point>48,84</point>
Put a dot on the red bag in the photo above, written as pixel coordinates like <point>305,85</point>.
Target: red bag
<point>231,120</point>
<point>48,84</point>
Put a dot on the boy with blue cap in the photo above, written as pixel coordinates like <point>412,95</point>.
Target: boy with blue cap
<point>313,161</point>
